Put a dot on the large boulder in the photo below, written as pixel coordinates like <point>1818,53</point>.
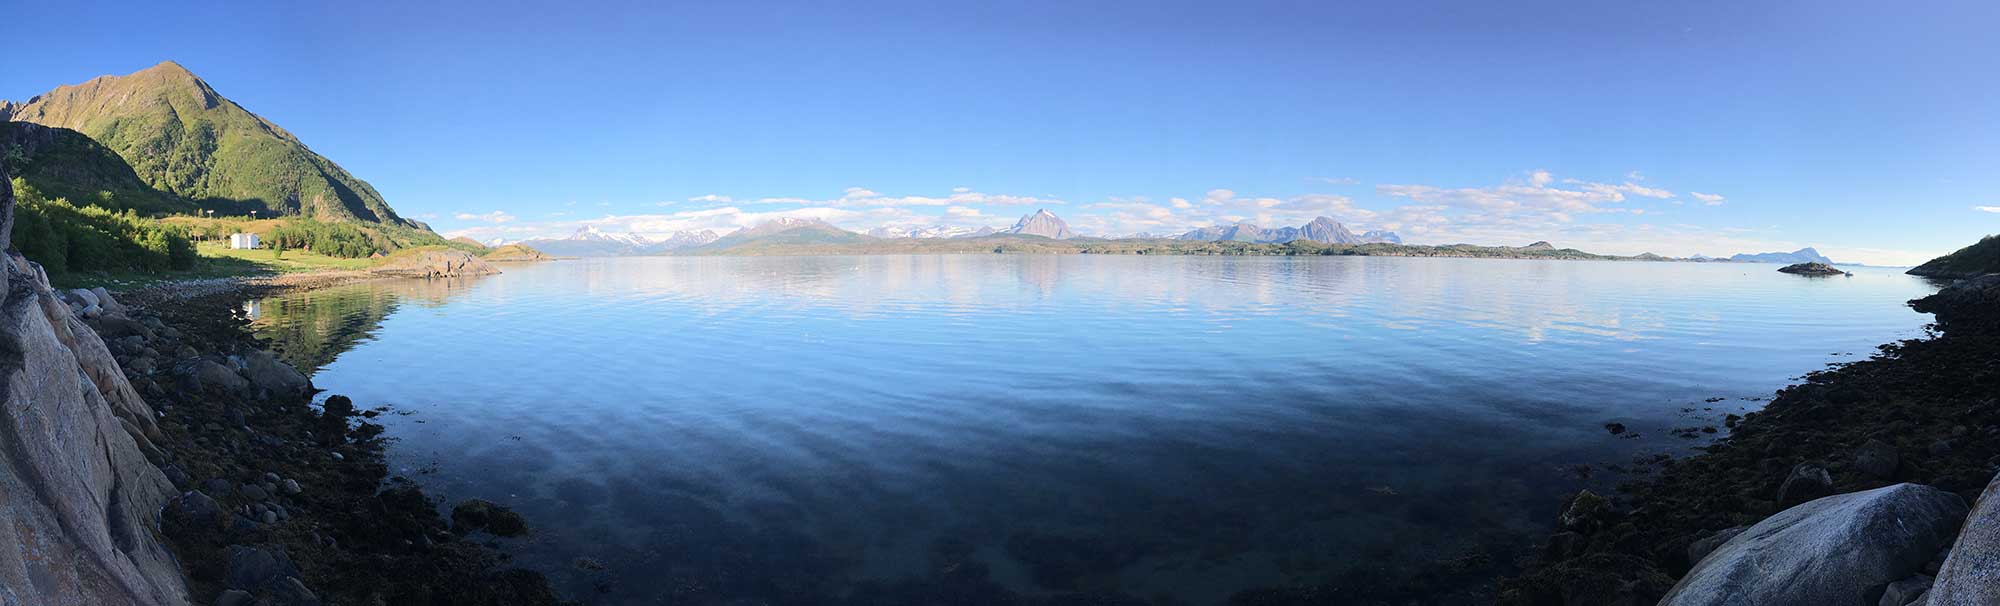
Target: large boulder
<point>1842,549</point>
<point>216,375</point>
<point>78,499</point>
<point>270,374</point>
<point>1971,575</point>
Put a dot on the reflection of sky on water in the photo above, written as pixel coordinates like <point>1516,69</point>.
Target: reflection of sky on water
<point>1231,421</point>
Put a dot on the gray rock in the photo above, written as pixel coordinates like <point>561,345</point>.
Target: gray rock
<point>216,376</point>
<point>1835,550</point>
<point>83,297</point>
<point>176,476</point>
<point>198,507</point>
<point>1906,591</point>
<point>1971,574</point>
<point>1807,481</point>
<point>289,591</point>
<point>219,487</point>
<point>1877,459</point>
<point>254,492</point>
<point>235,597</point>
<point>266,372</point>
<point>105,301</point>
<point>78,499</point>
<point>270,517</point>
<point>1706,545</point>
<point>290,486</point>
<point>252,568</point>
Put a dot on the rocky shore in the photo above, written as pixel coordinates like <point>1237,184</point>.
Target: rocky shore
<point>157,453</point>
<point>1868,483</point>
<point>277,502</point>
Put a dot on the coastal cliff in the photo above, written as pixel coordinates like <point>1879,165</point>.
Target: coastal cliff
<point>79,500</point>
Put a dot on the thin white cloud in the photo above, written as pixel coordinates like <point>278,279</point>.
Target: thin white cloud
<point>1709,199</point>
<point>856,197</point>
<point>492,217</point>
<point>1990,209</point>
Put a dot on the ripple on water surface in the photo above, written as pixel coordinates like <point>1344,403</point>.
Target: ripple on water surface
<point>789,429</point>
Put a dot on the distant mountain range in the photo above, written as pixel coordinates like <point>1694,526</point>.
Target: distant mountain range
<point>930,231</point>
<point>1803,255</point>
<point>1321,229</point>
<point>793,235</point>
<point>590,242</point>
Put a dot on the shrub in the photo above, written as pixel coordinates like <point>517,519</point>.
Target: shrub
<point>64,237</point>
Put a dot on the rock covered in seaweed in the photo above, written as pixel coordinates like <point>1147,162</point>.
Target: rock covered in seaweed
<point>1967,307</point>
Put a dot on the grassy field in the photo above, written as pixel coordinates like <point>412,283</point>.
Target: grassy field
<point>219,261</point>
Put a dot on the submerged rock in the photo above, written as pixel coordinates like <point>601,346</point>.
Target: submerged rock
<point>480,514</point>
<point>1835,550</point>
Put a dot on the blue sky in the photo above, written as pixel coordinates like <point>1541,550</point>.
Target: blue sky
<point>1867,129</point>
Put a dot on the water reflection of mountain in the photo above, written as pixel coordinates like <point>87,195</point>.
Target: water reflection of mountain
<point>310,329</point>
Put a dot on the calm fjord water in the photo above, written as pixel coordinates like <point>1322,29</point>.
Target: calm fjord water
<point>802,430</point>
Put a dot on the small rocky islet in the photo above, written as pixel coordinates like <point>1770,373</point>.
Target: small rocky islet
<point>1813,269</point>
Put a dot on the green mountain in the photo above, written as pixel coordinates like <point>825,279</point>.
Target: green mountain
<point>181,137</point>
<point>1972,261</point>
<point>63,163</point>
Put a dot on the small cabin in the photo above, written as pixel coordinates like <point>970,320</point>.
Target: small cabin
<point>376,255</point>
<point>244,241</point>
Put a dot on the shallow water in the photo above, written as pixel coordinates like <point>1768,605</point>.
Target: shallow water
<point>786,429</point>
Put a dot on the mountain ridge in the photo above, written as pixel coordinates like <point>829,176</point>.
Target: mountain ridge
<point>181,137</point>
<point>1803,255</point>
<point>1320,229</point>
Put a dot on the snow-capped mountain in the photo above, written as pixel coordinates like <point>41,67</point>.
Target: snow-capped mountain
<point>589,241</point>
<point>686,238</point>
<point>590,233</point>
<point>1042,223</point>
<point>928,231</point>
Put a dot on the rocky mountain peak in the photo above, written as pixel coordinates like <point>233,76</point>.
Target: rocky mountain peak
<point>1042,223</point>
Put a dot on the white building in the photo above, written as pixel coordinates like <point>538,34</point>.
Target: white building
<point>243,241</point>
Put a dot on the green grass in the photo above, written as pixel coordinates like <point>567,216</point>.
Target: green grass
<point>217,260</point>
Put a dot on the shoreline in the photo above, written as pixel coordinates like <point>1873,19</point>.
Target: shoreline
<point>276,500</point>
<point>1637,548</point>
<point>1919,411</point>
